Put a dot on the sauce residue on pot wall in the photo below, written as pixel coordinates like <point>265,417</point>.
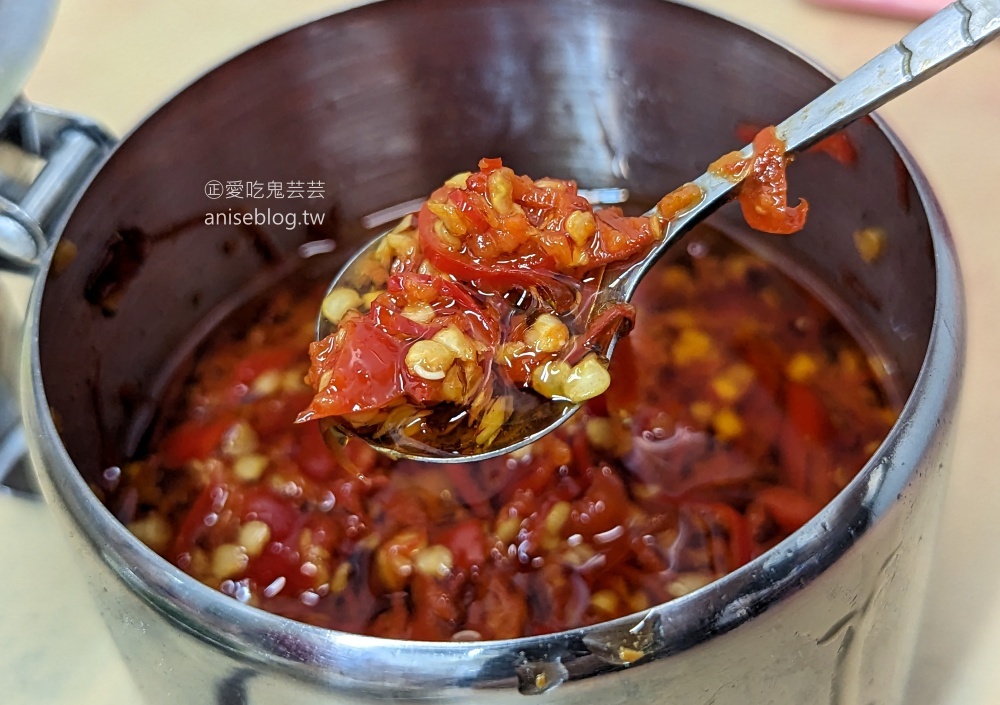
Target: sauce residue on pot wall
<point>127,251</point>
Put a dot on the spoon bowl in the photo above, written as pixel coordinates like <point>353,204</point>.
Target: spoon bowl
<point>534,416</point>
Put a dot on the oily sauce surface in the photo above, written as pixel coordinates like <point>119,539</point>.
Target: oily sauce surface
<point>738,407</point>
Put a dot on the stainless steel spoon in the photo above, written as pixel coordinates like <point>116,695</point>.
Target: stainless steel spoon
<point>952,34</point>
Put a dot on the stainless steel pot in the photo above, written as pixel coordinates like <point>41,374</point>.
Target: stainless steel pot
<point>381,102</point>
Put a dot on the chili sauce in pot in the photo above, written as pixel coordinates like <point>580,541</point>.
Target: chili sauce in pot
<point>738,407</point>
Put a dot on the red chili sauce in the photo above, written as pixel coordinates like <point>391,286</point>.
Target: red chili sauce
<point>737,408</point>
<point>463,324</point>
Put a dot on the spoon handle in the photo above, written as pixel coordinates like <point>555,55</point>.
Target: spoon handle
<point>953,33</point>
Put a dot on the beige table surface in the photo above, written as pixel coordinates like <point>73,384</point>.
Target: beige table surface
<point>115,60</point>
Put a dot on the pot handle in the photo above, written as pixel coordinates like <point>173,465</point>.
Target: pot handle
<point>33,203</point>
<point>71,147</point>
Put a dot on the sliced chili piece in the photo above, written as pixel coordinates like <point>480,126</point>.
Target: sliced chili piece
<point>529,272</point>
<point>789,509</point>
<point>194,524</point>
<point>764,193</point>
<point>808,415</point>
<point>195,440</point>
<point>364,372</point>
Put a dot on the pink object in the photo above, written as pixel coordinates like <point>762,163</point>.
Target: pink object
<point>913,9</point>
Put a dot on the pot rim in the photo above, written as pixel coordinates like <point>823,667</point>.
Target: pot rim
<point>399,666</point>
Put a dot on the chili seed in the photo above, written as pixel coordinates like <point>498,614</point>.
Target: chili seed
<point>801,367</point>
<point>294,381</point>
<point>452,386</point>
<point>419,313</point>
<point>733,382</point>
<point>605,601</point>
<point>434,561</point>
<point>458,180</point>
<point>254,535</point>
<point>445,236</point>
<point>687,583</point>
<point>338,583</point>
<point>870,242</point>
<point>508,528</point>
<point>403,245</point>
<point>450,216</point>
<point>153,530</point>
<point>394,559</point>
<point>727,425</point>
<point>267,383</point>
<point>678,279</point>
<point>493,420</point>
<point>657,226</point>
<point>429,359</point>
<point>587,380</point>
<point>691,345</point>
<point>368,299</point>
<point>250,467</point>
<point>549,379</point>
<point>557,516</point>
<point>338,302</point>
<point>229,560</point>
<point>601,433</point>
<point>702,411</point>
<point>500,191</point>
<point>240,439</point>
<point>547,334</point>
<point>456,341</point>
<point>428,269</point>
<point>581,225</point>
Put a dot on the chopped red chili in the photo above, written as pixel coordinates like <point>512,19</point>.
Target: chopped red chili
<point>764,193</point>
<point>483,296</point>
<point>738,407</point>
<point>446,335</point>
